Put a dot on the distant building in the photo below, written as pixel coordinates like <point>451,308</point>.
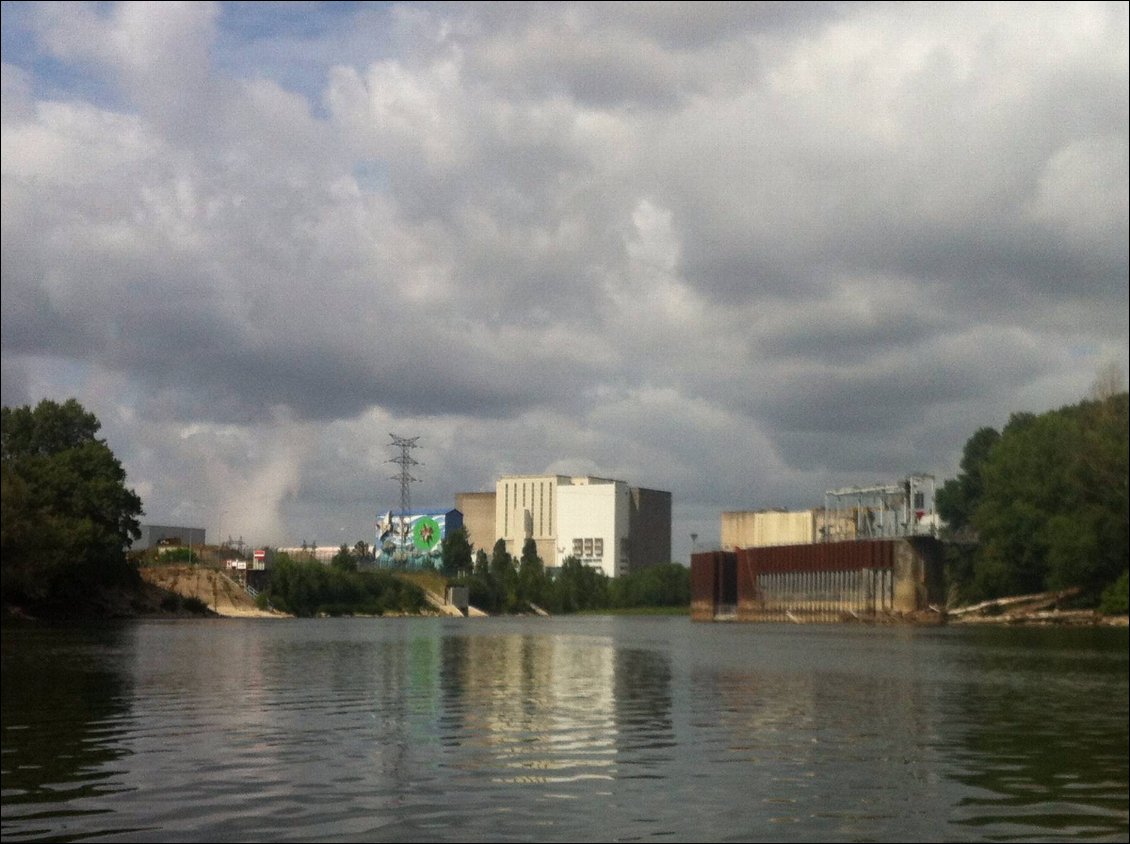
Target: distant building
<point>414,540</point>
<point>766,528</point>
<point>478,518</point>
<point>312,552</point>
<point>169,535</point>
<point>602,522</point>
<point>882,511</point>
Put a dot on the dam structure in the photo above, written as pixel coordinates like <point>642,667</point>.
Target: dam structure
<point>856,580</point>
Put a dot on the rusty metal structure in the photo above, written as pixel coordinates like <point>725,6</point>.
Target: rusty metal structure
<point>883,579</point>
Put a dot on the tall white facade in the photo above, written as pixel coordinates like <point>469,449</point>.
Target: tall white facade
<point>525,507</point>
<point>568,516</point>
<point>593,524</point>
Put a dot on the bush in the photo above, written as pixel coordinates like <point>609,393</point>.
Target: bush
<point>195,605</point>
<point>1116,597</point>
<point>309,589</point>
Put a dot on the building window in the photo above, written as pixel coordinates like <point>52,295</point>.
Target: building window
<point>598,547</point>
<point>578,548</point>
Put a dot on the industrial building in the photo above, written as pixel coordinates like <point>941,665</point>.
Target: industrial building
<point>602,522</point>
<point>891,510</point>
<point>169,535</point>
<point>766,528</point>
<point>478,518</point>
<point>310,552</point>
<point>870,552</point>
<point>905,508</point>
<point>414,540</point>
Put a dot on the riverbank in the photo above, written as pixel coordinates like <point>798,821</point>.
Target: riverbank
<point>140,599</point>
<point>222,595</point>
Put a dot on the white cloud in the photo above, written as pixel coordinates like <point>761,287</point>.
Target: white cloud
<point>742,251</point>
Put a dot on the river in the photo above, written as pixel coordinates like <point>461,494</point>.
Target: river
<point>562,729</point>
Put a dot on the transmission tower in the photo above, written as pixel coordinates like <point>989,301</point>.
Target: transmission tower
<point>405,461</point>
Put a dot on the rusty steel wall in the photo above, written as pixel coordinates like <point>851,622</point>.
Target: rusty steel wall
<point>835,581</point>
<point>714,587</point>
<point>704,574</point>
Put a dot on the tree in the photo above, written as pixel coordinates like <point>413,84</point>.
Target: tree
<point>456,550</point>
<point>531,575</point>
<point>1048,502</point>
<point>579,587</point>
<point>344,560</point>
<point>958,498</point>
<point>482,562</point>
<point>666,585</point>
<point>505,577</point>
<point>68,517</point>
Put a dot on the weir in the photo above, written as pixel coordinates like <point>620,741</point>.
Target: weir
<point>867,580</point>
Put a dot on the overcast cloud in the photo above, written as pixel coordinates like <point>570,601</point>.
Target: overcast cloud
<point>741,252</point>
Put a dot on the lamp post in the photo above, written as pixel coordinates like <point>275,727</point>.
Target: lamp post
<point>694,543</point>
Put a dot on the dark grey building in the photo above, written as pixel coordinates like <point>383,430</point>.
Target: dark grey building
<point>152,535</point>
<point>649,528</point>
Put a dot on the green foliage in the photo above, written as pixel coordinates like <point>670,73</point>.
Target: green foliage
<point>456,550</point>
<point>497,587</point>
<point>178,603</point>
<point>344,559</point>
<point>655,586</point>
<point>67,517</point>
<point>195,605</point>
<point>958,497</point>
<point>308,589</point>
<point>578,587</point>
<point>1048,500</point>
<point>1116,597</point>
<point>532,585</point>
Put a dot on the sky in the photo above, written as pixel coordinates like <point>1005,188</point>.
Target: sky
<point>744,253</point>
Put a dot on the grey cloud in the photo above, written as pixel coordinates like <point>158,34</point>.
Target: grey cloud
<point>743,251</point>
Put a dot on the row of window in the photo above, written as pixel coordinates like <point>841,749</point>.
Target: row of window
<point>588,546</point>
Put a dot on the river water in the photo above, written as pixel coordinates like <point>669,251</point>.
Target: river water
<point>563,729</point>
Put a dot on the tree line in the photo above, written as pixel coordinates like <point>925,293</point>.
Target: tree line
<point>306,588</point>
<point>500,584</point>
<point>1043,505</point>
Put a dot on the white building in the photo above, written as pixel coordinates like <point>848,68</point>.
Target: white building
<point>604,523</point>
<point>593,524</point>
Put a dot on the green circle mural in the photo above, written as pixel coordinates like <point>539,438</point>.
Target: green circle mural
<point>426,534</point>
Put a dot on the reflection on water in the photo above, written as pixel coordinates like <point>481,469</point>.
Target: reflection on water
<point>1038,749</point>
<point>534,709</point>
<point>562,729</point>
<point>64,750</point>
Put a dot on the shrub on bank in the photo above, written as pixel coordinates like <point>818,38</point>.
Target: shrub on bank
<point>307,589</point>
